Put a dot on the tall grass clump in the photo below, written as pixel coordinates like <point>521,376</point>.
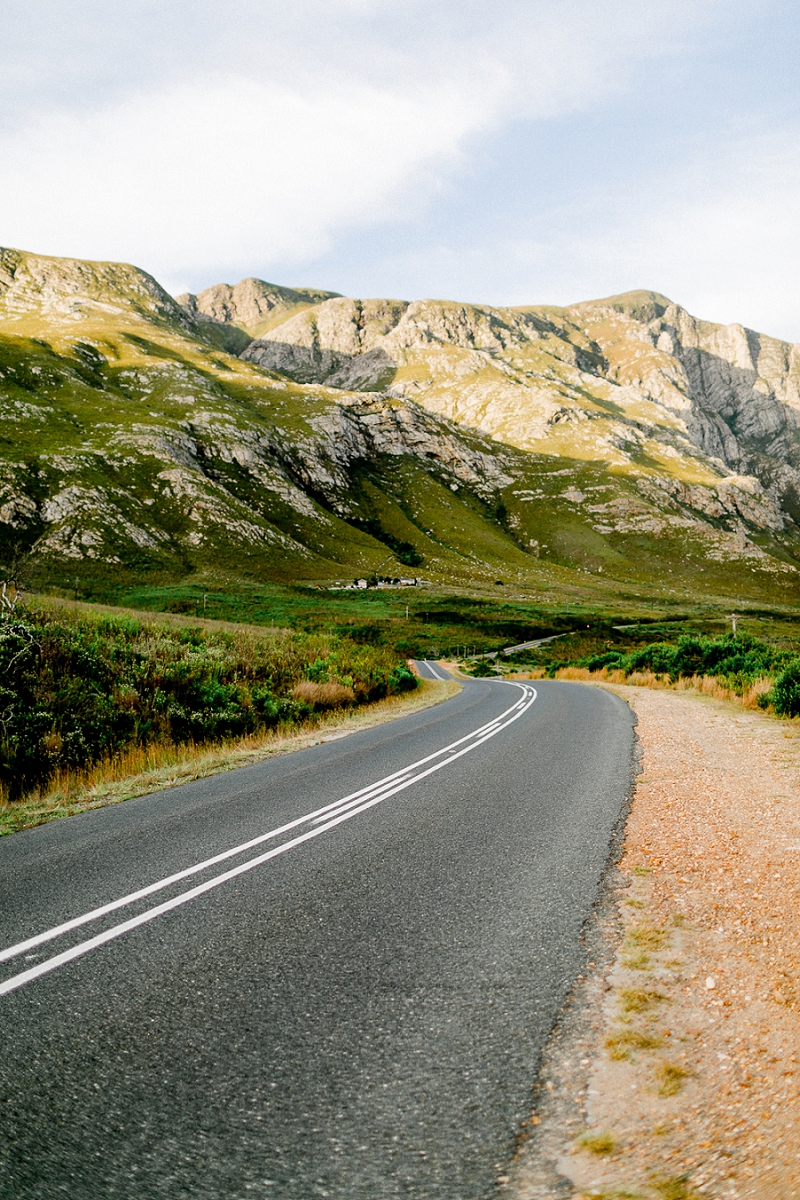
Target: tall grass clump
<point>76,690</point>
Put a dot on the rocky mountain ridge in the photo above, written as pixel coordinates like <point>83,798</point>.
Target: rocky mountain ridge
<point>614,380</point>
<point>553,448</point>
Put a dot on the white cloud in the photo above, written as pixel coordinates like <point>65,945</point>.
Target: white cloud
<point>718,232</point>
<point>270,139</point>
<point>221,173</point>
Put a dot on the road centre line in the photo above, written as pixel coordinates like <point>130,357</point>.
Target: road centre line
<point>433,671</point>
<point>318,814</point>
<point>336,812</point>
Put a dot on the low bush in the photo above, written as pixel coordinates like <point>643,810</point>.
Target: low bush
<point>785,694</point>
<point>482,669</point>
<point>77,689</point>
<point>745,667</point>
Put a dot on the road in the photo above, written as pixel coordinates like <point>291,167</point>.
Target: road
<point>350,1001</point>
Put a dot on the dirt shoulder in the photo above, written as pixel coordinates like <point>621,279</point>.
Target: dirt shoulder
<point>674,1072</point>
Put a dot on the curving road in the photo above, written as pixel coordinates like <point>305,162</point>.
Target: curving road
<point>329,974</point>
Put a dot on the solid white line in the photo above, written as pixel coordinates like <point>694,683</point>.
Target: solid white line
<point>319,814</point>
<point>360,802</point>
<point>433,671</point>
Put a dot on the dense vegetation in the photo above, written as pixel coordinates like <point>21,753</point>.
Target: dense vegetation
<point>77,689</point>
<point>738,662</point>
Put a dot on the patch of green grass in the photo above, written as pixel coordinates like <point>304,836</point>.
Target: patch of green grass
<point>614,1194</point>
<point>676,1188</point>
<point>639,1000</point>
<point>637,962</point>
<point>646,937</point>
<point>601,1144</point>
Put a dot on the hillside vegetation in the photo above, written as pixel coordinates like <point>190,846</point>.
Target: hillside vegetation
<point>764,673</point>
<point>77,689</point>
<point>615,452</point>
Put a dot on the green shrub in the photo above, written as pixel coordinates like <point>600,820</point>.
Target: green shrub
<point>77,689</point>
<point>739,662</point>
<point>785,693</point>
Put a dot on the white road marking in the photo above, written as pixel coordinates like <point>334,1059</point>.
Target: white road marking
<point>433,671</point>
<point>318,815</point>
<point>322,819</point>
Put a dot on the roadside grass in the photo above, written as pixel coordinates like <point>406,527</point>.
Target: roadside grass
<point>141,770</point>
<point>701,685</point>
<point>598,1143</point>
<point>616,1194</point>
<point>645,937</point>
<point>676,1188</point>
<point>671,1078</point>
<point>640,1000</point>
<point>621,1045</point>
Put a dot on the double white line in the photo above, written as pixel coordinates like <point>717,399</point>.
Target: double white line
<point>318,822</point>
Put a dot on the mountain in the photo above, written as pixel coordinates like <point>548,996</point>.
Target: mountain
<point>633,381</point>
<point>262,432</point>
<point>234,316</point>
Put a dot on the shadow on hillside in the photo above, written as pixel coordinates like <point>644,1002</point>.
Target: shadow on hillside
<point>369,372</point>
<point>727,392</point>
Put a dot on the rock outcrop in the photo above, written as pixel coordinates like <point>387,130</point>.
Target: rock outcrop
<point>621,437</point>
<point>615,380</point>
<point>247,310</point>
<point>67,289</point>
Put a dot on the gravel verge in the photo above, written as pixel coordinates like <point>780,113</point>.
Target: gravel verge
<point>673,1070</point>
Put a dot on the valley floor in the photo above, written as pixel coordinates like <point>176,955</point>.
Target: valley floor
<point>674,1072</point>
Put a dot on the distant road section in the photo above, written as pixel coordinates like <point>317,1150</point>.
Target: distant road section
<point>431,670</point>
<point>328,974</point>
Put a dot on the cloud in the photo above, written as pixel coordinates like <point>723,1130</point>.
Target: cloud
<point>211,139</point>
<point>221,173</point>
<point>718,233</point>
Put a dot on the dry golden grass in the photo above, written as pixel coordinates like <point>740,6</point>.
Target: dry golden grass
<point>323,695</point>
<point>704,685</point>
<point>141,770</point>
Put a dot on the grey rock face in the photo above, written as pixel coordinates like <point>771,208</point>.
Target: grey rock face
<point>71,289</point>
<point>340,343</point>
<point>249,303</point>
<point>721,394</point>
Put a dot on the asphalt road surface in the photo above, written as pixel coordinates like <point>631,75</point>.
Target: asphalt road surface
<point>349,1001</point>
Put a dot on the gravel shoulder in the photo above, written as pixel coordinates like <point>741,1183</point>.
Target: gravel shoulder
<point>673,1072</point>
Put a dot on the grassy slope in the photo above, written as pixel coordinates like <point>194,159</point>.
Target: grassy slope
<point>165,448</point>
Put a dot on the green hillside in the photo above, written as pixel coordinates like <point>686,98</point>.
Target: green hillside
<point>138,453</point>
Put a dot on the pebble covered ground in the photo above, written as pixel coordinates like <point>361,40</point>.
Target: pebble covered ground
<point>674,1071</point>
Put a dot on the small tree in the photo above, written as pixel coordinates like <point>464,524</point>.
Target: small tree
<point>10,595</point>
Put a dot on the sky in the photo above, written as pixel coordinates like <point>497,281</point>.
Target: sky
<point>518,152</point>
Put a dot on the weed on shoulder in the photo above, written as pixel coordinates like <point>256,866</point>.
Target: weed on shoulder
<point>621,1045</point>
<point>640,1000</point>
<point>676,1188</point>
<point>646,937</point>
<point>671,1078</point>
<point>598,1143</point>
